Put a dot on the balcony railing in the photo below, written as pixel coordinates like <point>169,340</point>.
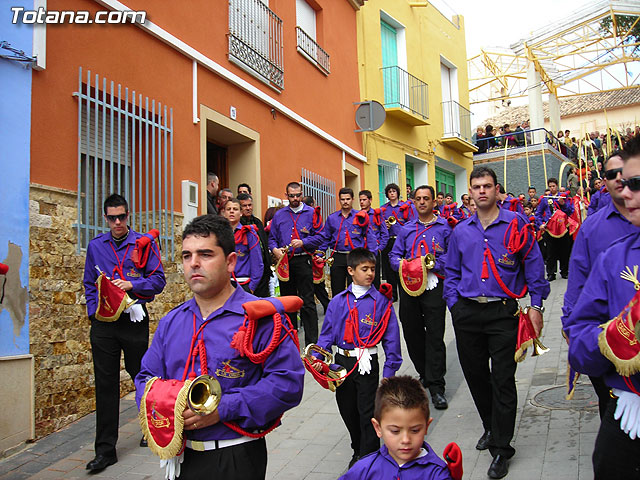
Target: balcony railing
<point>403,90</point>
<point>313,51</point>
<point>255,41</point>
<point>457,121</point>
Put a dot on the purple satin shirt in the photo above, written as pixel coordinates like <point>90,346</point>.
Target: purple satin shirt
<point>596,234</point>
<point>371,307</point>
<point>380,465</point>
<point>252,395</point>
<point>147,282</point>
<point>410,243</point>
<point>603,297</point>
<point>465,256</point>
<point>506,204</point>
<point>250,262</point>
<point>544,210</point>
<point>599,200</point>
<point>381,231</point>
<point>334,234</point>
<point>283,223</point>
<point>390,210</point>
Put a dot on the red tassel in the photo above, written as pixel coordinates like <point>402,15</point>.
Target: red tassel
<point>348,329</point>
<point>237,341</point>
<point>485,267</point>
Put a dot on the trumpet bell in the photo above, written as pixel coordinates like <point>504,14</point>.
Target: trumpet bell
<point>429,261</point>
<point>204,395</point>
<point>329,262</point>
<point>391,221</point>
<point>336,373</point>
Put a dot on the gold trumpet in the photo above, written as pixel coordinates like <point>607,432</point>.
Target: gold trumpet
<point>336,372</point>
<point>274,261</point>
<point>392,220</point>
<point>429,261</point>
<point>203,396</point>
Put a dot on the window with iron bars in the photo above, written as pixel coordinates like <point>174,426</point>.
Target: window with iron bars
<point>387,173</point>
<point>125,146</point>
<point>321,189</point>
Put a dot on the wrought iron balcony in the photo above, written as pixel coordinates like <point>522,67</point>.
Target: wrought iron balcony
<point>313,51</point>
<point>405,92</point>
<point>255,41</point>
<point>457,126</point>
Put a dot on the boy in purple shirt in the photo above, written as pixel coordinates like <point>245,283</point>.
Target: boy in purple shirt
<point>355,323</point>
<point>401,419</point>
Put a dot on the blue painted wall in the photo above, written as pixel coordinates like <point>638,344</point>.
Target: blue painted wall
<point>15,134</point>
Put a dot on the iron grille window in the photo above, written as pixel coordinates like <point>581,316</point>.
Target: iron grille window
<point>321,189</point>
<point>255,41</point>
<point>387,173</point>
<point>313,51</point>
<point>125,146</point>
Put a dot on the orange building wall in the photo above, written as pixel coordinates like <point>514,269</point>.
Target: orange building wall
<point>130,56</point>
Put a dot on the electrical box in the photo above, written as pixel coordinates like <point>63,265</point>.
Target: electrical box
<point>189,201</point>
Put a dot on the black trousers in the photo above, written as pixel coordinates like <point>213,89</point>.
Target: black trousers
<point>615,455</point>
<point>301,283</point>
<point>356,399</point>
<point>340,278</point>
<point>247,461</point>
<point>108,339</point>
<point>486,336</point>
<point>602,391</point>
<point>388,273</point>
<point>422,321</point>
<point>558,250</point>
<point>320,291</point>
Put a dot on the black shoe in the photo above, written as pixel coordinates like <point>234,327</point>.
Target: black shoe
<point>439,401</point>
<point>100,463</point>
<point>551,277</point>
<point>483,443</point>
<point>143,442</point>
<point>499,467</point>
<point>354,459</point>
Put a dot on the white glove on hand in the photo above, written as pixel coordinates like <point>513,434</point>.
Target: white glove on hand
<point>628,412</point>
<point>172,467</point>
<point>364,364</point>
<point>432,280</point>
<point>136,312</point>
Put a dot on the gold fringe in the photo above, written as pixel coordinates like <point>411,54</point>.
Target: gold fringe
<point>557,236</point>
<point>521,353</point>
<point>124,304</point>
<point>626,368</point>
<point>174,447</point>
<point>422,288</point>
<point>282,279</point>
<point>570,381</point>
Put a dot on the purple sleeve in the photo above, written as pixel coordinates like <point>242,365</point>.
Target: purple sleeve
<point>541,212</point>
<point>441,258</point>
<point>371,239</point>
<point>383,236</point>
<point>567,207</point>
<point>534,274</point>
<point>326,338</point>
<point>255,259</point>
<point>152,281</point>
<point>579,266</point>
<point>274,233</point>
<point>453,270</point>
<point>320,240</point>
<point>391,345</point>
<point>89,280</point>
<point>593,205</point>
<point>152,364</point>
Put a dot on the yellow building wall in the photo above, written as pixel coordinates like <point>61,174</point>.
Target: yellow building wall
<point>429,37</point>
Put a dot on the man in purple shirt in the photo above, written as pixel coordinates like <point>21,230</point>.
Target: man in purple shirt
<point>508,202</point>
<point>290,226</point>
<point>599,200</point>
<point>558,245</point>
<point>111,253</point>
<point>485,274</point>
<point>613,282</point>
<point>253,395</point>
<point>381,231</point>
<point>423,316</point>
<point>342,233</point>
<point>596,234</point>
<point>391,209</point>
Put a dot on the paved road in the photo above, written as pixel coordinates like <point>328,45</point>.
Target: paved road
<point>554,438</point>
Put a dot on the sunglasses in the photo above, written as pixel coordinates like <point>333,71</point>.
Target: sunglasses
<point>294,195</point>
<point>633,183</point>
<point>612,174</point>
<point>122,217</point>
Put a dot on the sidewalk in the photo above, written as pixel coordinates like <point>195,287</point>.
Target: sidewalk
<point>553,438</point>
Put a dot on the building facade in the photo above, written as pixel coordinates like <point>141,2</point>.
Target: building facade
<point>412,59</point>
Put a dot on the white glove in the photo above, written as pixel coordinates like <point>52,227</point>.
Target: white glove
<point>136,312</point>
<point>364,364</point>
<point>628,412</point>
<point>172,467</point>
<point>432,280</point>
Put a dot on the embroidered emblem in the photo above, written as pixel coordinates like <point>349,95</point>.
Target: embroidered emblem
<point>106,304</point>
<point>241,254</point>
<point>630,276</point>
<point>304,230</point>
<point>505,260</point>
<point>157,419</point>
<point>133,273</point>
<point>355,231</point>
<point>437,247</point>
<point>367,320</point>
<point>409,280</point>
<point>228,371</point>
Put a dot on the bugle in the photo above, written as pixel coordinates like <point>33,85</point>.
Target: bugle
<point>204,395</point>
<point>392,220</point>
<point>335,373</point>
<point>429,261</point>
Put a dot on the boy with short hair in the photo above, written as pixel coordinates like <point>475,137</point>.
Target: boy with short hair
<point>401,419</point>
<point>357,319</point>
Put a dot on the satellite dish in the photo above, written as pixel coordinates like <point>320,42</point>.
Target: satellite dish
<point>370,116</point>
